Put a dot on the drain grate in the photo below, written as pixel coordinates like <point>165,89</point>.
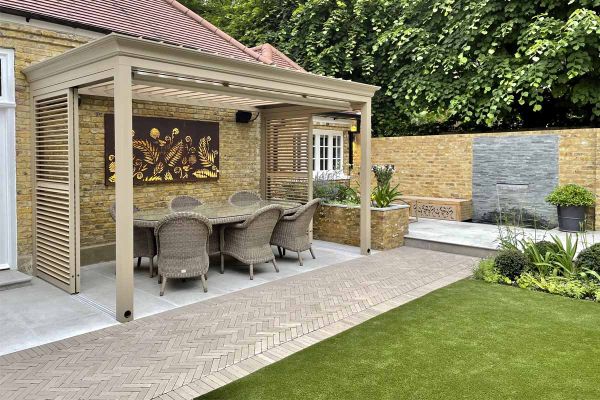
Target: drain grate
<point>94,304</point>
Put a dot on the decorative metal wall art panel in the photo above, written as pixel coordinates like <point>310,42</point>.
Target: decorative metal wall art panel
<point>436,211</point>
<point>166,150</point>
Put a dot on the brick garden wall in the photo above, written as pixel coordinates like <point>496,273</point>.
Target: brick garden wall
<point>442,165</point>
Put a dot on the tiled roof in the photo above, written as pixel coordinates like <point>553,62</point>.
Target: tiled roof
<point>271,53</point>
<point>161,20</point>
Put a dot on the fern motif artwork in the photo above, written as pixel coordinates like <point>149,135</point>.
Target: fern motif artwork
<point>166,150</point>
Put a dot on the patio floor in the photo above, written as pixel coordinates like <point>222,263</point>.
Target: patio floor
<point>475,235</point>
<point>41,313</point>
<point>181,353</point>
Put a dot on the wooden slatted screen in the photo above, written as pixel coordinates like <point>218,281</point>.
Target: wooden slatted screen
<point>56,249</point>
<point>286,157</point>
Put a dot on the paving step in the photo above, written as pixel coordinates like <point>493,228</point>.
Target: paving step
<point>447,247</point>
<point>11,278</point>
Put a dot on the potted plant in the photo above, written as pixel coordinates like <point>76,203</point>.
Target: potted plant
<point>571,201</point>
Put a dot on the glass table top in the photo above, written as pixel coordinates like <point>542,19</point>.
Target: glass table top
<point>216,211</point>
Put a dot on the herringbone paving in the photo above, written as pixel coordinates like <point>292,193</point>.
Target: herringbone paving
<point>185,352</point>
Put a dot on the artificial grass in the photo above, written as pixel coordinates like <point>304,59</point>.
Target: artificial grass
<point>470,340</point>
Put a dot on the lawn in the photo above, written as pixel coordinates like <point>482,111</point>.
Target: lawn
<point>470,340</point>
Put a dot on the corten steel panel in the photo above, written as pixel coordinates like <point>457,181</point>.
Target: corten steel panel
<point>166,150</point>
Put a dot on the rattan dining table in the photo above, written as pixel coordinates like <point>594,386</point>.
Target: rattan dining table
<point>218,213</point>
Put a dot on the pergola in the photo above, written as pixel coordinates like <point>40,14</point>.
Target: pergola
<point>129,68</point>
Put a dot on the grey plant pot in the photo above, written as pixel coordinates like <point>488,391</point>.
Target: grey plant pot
<point>571,218</point>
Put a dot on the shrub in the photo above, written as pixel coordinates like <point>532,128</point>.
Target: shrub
<point>589,258</point>
<point>544,246</point>
<point>484,269</point>
<point>510,263</point>
<point>571,195</point>
<point>568,287</point>
<point>486,272</point>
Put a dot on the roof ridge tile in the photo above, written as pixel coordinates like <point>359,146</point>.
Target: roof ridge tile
<point>279,53</point>
<point>191,14</point>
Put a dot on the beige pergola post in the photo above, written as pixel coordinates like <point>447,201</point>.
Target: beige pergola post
<point>123,190</point>
<point>365,178</point>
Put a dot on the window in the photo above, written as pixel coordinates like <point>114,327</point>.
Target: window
<point>7,78</point>
<point>328,151</point>
<point>8,196</point>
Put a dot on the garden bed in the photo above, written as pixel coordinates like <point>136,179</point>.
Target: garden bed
<point>340,223</point>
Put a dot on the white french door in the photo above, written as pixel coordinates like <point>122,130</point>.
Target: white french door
<point>8,215</point>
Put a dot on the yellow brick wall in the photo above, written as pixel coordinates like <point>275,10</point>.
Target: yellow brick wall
<point>31,45</point>
<point>239,157</point>
<point>441,165</point>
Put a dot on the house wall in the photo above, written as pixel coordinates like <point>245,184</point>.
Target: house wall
<point>239,163</point>
<point>31,44</point>
<point>442,165</point>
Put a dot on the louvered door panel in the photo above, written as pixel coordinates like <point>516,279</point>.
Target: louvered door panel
<point>56,250</point>
<point>286,158</point>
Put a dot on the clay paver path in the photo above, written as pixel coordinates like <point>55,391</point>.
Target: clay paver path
<point>185,352</point>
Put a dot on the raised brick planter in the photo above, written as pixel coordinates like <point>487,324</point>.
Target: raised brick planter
<point>341,224</point>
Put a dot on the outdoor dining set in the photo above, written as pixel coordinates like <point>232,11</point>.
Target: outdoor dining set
<point>188,232</point>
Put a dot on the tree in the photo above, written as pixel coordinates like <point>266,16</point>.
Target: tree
<point>445,64</point>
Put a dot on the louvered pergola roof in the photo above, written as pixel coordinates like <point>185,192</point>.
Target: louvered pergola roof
<point>179,74</point>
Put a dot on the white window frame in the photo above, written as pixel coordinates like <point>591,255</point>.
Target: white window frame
<point>317,134</point>
<point>8,190</point>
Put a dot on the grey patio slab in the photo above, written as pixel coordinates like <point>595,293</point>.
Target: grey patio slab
<point>484,236</point>
<point>41,313</point>
<point>180,352</point>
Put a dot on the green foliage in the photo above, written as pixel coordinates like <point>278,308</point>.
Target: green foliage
<point>569,287</point>
<point>544,247</point>
<point>589,258</point>
<point>486,272</point>
<point>334,191</point>
<point>384,195</point>
<point>571,195</point>
<point>442,64</point>
<point>510,263</point>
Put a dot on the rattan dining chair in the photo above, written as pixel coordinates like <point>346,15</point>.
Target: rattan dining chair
<point>244,197</point>
<point>183,203</point>
<point>182,243</point>
<point>144,244</point>
<point>248,241</point>
<point>291,232</point>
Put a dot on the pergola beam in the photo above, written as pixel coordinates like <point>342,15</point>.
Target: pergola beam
<point>101,92</point>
